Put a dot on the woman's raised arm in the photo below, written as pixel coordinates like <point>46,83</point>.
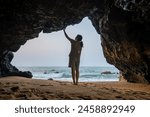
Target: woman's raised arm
<point>67,35</point>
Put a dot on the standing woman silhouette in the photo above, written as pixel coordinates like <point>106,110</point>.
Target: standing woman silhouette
<point>74,56</point>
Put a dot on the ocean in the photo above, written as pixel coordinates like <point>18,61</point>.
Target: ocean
<point>87,74</point>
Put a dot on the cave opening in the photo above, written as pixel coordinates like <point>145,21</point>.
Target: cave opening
<point>47,56</point>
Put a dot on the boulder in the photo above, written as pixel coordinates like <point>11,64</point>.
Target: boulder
<point>7,69</point>
<point>106,72</point>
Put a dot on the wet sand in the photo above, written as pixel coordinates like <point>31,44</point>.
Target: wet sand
<point>20,88</point>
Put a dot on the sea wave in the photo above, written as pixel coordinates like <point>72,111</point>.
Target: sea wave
<point>63,73</point>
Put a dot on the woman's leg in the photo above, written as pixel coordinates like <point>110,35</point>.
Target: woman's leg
<point>73,73</point>
<point>77,73</point>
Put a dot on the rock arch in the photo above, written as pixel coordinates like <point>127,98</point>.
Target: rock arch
<point>124,27</point>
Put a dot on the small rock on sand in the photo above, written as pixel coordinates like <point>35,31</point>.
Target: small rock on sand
<point>50,79</point>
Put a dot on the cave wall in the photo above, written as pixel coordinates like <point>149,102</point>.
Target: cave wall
<point>125,38</point>
<point>123,25</point>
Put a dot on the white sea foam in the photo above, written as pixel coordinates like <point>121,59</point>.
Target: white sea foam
<point>87,74</point>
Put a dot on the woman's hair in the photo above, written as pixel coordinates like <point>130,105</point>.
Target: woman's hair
<point>81,43</point>
<point>79,38</point>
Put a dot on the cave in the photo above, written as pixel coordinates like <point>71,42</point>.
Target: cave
<point>56,48</point>
<point>124,27</point>
<point>51,59</point>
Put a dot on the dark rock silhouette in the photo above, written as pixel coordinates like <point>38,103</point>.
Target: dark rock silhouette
<point>124,26</point>
<point>45,72</point>
<point>50,79</point>
<point>106,72</point>
<point>9,70</point>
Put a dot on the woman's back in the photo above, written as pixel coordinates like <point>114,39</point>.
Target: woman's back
<point>75,49</point>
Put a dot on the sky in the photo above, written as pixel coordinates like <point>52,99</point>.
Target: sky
<point>52,49</point>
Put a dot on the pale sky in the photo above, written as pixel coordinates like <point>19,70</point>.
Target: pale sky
<point>52,49</point>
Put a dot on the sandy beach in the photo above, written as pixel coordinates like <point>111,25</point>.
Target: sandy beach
<point>20,88</point>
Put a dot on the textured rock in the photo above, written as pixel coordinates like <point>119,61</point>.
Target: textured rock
<point>6,69</point>
<point>125,40</point>
<point>124,26</point>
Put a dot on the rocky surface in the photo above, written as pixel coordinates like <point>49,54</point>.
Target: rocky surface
<point>6,69</point>
<point>124,26</point>
<point>125,38</point>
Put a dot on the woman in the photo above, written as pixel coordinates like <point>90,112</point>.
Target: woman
<point>74,56</point>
